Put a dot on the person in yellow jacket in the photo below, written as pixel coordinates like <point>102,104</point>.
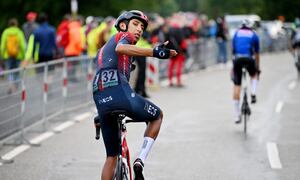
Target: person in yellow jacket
<point>13,46</point>
<point>93,40</point>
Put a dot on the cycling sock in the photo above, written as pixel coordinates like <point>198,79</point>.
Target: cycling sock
<point>147,144</point>
<point>237,111</point>
<point>253,86</point>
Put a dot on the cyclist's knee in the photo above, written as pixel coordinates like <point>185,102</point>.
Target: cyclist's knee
<point>160,117</point>
<point>111,160</point>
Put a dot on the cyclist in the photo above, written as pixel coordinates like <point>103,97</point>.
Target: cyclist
<point>295,37</point>
<point>245,46</point>
<point>111,89</point>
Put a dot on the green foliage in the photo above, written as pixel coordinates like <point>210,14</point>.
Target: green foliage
<point>57,8</point>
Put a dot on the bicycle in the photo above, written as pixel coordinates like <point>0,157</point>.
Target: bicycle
<point>123,169</point>
<point>245,109</point>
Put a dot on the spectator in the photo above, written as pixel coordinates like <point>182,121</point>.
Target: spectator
<point>29,26</point>
<point>62,35</point>
<point>221,41</point>
<point>141,62</point>
<point>92,37</point>
<point>74,47</point>
<point>177,42</point>
<point>42,46</point>
<point>13,50</point>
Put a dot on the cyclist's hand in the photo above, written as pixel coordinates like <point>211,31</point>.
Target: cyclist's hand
<point>162,52</point>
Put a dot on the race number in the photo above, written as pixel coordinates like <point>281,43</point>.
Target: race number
<point>109,78</point>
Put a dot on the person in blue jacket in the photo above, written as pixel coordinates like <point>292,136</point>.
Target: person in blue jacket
<point>245,48</point>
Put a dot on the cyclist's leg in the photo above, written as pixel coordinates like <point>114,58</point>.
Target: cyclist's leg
<point>237,80</point>
<point>109,168</point>
<point>144,110</point>
<point>254,79</point>
<point>109,130</point>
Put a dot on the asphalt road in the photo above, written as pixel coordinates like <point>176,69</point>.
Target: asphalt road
<point>198,138</point>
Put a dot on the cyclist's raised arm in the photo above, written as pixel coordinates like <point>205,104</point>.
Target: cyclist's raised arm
<point>159,51</point>
<point>132,50</point>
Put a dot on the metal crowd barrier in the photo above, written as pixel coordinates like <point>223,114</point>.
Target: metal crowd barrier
<point>201,54</point>
<point>41,92</point>
<point>45,90</point>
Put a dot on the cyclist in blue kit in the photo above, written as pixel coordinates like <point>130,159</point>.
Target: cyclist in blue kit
<point>111,89</point>
<point>245,47</point>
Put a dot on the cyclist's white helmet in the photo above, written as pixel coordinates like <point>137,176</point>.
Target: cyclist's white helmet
<point>246,23</point>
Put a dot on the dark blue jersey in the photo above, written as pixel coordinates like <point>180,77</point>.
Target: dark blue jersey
<point>245,43</point>
<point>111,91</point>
<point>108,58</point>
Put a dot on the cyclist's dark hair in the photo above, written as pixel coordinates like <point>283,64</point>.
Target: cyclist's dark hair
<point>128,15</point>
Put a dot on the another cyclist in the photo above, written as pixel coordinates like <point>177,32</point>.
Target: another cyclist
<point>295,37</point>
<point>245,46</point>
<point>111,89</point>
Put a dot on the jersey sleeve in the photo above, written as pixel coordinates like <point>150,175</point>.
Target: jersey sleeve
<point>256,43</point>
<point>124,38</point>
<point>233,43</point>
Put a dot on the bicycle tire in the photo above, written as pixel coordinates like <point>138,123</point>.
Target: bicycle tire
<point>125,175</point>
<point>245,123</point>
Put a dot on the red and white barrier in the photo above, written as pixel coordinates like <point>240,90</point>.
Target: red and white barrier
<point>152,72</point>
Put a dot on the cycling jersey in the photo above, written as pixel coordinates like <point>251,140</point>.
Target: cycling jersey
<point>245,43</point>
<point>111,91</point>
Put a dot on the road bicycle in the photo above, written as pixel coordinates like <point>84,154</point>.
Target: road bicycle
<point>245,108</point>
<point>123,169</point>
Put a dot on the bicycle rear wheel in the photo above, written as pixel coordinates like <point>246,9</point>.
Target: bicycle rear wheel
<point>125,174</point>
<point>245,119</point>
<point>122,171</point>
<point>118,170</point>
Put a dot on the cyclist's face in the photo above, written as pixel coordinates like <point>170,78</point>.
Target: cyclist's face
<point>136,27</point>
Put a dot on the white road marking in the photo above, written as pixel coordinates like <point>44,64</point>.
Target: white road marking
<point>83,116</point>
<point>63,126</point>
<point>41,137</point>
<point>273,155</point>
<point>13,153</point>
<point>279,107</point>
<point>292,85</point>
<point>1,163</point>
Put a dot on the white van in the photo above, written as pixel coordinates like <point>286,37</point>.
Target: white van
<point>233,22</point>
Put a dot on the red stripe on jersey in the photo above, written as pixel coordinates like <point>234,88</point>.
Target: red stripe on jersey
<point>127,35</point>
<point>100,57</point>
